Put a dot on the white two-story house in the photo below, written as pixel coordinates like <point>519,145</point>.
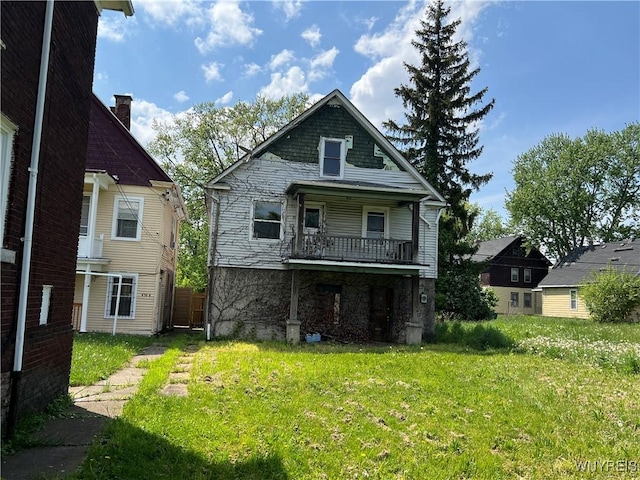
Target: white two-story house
<point>128,243</point>
<point>323,228</point>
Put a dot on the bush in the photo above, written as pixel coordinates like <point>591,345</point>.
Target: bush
<point>460,296</point>
<point>611,295</point>
<point>479,337</point>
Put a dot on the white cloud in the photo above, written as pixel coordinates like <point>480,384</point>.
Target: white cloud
<point>225,99</point>
<point>293,81</point>
<point>114,28</point>
<point>212,71</point>
<point>173,12</point>
<point>321,64</point>
<point>285,57</point>
<point>291,8</point>
<point>390,48</point>
<point>312,35</point>
<point>181,96</point>
<point>143,114</point>
<point>229,26</point>
<point>252,69</point>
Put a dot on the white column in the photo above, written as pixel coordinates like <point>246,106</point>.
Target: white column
<point>85,299</point>
<point>93,214</point>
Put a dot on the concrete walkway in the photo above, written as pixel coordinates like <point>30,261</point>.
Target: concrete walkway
<point>64,441</point>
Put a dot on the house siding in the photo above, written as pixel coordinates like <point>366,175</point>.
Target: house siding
<point>146,258</point>
<point>264,179</point>
<point>47,348</point>
<point>556,303</point>
<point>504,301</point>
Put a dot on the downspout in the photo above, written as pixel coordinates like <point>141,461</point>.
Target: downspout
<point>213,245</point>
<point>30,216</point>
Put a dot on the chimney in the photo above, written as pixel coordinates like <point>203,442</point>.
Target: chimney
<point>122,110</point>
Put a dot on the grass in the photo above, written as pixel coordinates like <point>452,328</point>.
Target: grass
<point>314,411</point>
<point>98,355</point>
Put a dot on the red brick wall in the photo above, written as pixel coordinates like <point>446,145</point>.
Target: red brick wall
<point>47,352</point>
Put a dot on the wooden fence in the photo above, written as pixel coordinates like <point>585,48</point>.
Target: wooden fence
<point>188,309</point>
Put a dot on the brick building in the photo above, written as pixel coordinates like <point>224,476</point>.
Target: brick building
<point>48,52</point>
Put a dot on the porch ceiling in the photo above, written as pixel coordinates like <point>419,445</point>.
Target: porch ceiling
<point>353,267</point>
<point>356,189</point>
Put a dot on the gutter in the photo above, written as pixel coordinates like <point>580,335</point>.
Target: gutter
<point>18,356</point>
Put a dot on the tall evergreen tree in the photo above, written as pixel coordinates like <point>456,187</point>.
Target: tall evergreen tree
<point>440,138</point>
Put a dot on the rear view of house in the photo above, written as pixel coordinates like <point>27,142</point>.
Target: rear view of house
<point>513,274</point>
<point>323,228</point>
<point>128,240</point>
<point>561,288</point>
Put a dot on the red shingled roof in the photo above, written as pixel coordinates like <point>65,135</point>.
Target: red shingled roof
<point>112,148</point>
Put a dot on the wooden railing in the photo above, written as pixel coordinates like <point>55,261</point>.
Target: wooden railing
<point>76,316</point>
<point>354,249</point>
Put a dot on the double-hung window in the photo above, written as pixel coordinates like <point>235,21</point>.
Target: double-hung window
<point>515,299</point>
<point>84,215</point>
<point>515,275</point>
<point>375,222</point>
<point>267,220</point>
<point>527,275</point>
<point>127,305</point>
<point>527,300</point>
<point>127,218</point>
<point>573,299</point>
<point>332,157</point>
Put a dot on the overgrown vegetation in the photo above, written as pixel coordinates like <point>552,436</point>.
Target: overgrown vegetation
<point>478,406</point>
<point>98,355</point>
<point>611,295</point>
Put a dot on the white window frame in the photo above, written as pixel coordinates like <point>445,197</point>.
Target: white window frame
<point>527,275</point>
<point>573,299</point>
<point>516,276</point>
<point>343,156</point>
<point>516,296</point>
<point>86,195</point>
<point>45,305</point>
<point>134,289</point>
<point>114,225</point>
<point>7,133</point>
<point>253,219</point>
<point>365,215</point>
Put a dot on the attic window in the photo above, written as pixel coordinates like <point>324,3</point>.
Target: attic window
<point>332,157</point>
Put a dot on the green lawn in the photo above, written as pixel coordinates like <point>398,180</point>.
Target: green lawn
<point>269,410</point>
<point>98,355</point>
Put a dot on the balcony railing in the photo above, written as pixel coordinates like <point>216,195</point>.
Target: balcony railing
<point>87,249</point>
<point>353,249</point>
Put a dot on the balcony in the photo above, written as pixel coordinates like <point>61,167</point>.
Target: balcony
<point>88,249</point>
<point>352,249</point>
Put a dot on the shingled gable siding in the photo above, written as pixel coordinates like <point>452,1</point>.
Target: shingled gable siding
<point>47,352</point>
<point>301,143</point>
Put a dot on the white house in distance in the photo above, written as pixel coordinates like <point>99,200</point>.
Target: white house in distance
<point>131,212</point>
<point>323,228</point>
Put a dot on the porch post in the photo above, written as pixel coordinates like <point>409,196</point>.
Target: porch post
<point>413,328</point>
<point>93,214</point>
<point>300,225</point>
<point>293,324</point>
<point>415,231</point>
<point>85,299</point>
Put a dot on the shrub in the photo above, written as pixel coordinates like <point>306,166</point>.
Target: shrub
<point>611,295</point>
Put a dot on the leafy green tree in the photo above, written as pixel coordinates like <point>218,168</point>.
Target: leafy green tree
<point>574,192</point>
<point>440,134</point>
<point>489,225</point>
<point>195,146</point>
<point>611,295</point>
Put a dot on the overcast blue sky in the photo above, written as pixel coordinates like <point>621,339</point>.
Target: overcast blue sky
<point>552,67</point>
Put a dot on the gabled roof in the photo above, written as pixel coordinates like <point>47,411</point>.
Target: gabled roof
<point>492,248</point>
<point>578,266</point>
<point>112,148</point>
<point>334,96</point>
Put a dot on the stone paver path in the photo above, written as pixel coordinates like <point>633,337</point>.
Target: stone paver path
<point>64,441</point>
<point>178,382</point>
